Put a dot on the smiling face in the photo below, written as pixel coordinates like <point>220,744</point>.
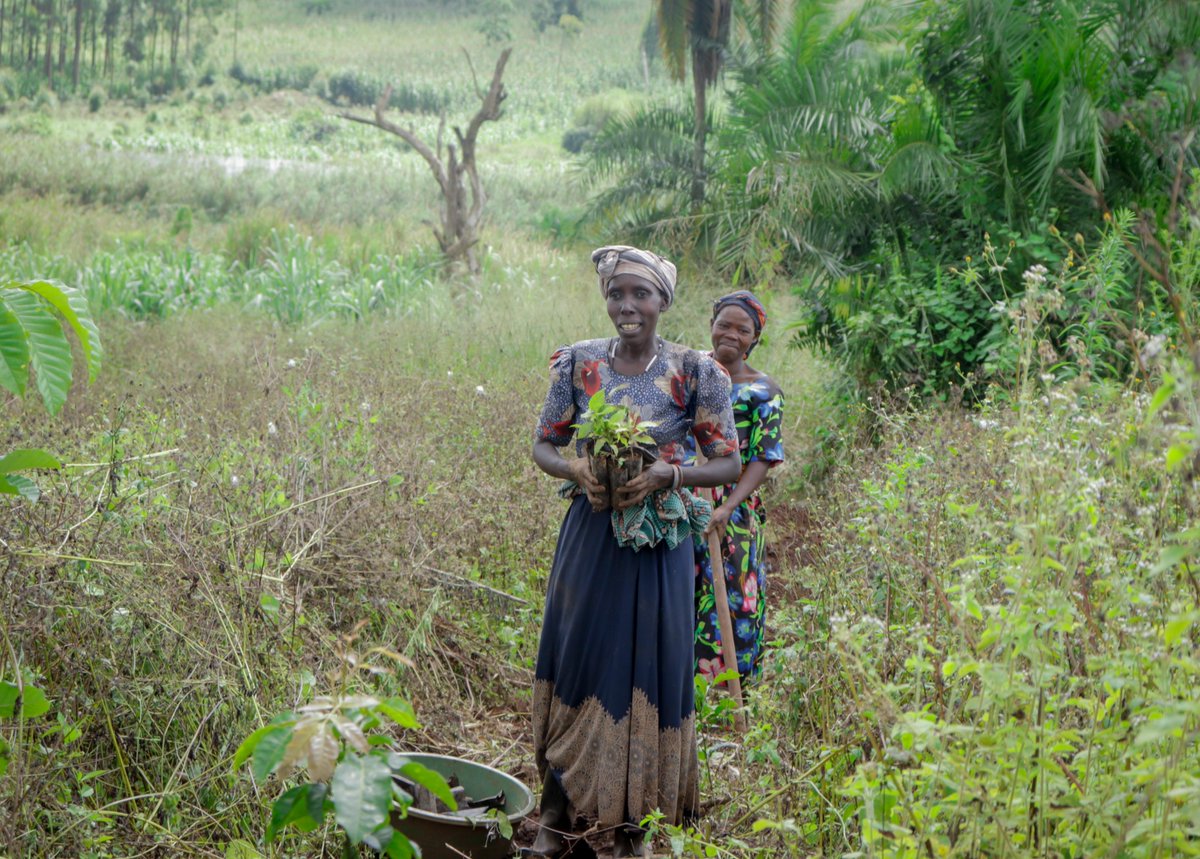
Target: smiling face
<point>732,335</point>
<point>634,306</point>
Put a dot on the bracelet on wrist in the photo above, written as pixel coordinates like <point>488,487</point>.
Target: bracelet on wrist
<point>678,478</point>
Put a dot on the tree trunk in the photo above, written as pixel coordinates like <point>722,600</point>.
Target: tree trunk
<point>63,29</point>
<point>48,64</point>
<point>462,214</point>
<point>78,44</point>
<point>701,93</point>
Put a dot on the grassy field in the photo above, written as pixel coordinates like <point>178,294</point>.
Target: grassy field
<point>984,617</point>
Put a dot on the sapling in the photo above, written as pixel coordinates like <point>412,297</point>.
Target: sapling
<point>616,443</point>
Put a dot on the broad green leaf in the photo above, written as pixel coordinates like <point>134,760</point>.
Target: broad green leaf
<point>49,351</point>
<point>24,459</point>
<point>1164,392</point>
<point>431,781</point>
<point>401,848</point>
<point>1176,627</point>
<point>246,749</point>
<point>362,795</point>
<point>73,307</point>
<point>8,700</point>
<point>1172,555</point>
<point>399,711</point>
<point>15,484</point>
<point>269,752</point>
<point>295,807</point>
<point>33,702</point>
<point>14,351</point>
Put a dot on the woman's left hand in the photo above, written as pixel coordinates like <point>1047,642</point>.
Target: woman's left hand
<point>660,475</point>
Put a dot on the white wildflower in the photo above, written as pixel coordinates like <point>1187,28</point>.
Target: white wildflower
<point>1154,347</point>
<point>479,390</point>
<point>233,480</point>
<point>271,428</point>
<point>1035,275</point>
<point>291,363</point>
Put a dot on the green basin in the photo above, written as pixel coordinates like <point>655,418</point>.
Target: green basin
<point>446,836</point>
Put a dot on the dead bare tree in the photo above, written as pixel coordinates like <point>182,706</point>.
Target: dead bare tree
<point>454,169</point>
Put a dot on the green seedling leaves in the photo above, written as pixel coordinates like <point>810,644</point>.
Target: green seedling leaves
<point>302,807</point>
<point>430,780</point>
<point>362,792</point>
<point>399,711</point>
<point>611,426</point>
<point>49,351</point>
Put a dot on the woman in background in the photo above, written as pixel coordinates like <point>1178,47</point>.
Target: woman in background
<point>738,516</point>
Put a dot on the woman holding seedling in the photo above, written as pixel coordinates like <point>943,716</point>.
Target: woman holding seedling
<point>613,721</point>
<point>738,517</point>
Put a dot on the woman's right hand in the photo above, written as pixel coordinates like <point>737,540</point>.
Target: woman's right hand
<point>581,473</point>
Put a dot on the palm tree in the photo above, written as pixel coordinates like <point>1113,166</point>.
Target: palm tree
<point>701,28</point>
<point>820,151</point>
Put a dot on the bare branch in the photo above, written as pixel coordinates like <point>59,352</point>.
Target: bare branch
<point>458,232</point>
<point>474,77</point>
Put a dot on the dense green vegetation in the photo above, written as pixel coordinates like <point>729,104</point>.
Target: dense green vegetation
<point>871,151</point>
<point>979,220</point>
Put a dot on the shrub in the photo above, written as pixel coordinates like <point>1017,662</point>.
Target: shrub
<point>574,139</point>
<point>354,87</point>
<point>96,98</point>
<point>46,101</point>
<point>595,111</point>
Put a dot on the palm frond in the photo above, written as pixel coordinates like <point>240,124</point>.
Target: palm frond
<point>674,34</point>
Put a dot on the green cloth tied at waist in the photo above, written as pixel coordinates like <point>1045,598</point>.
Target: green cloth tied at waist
<point>670,515</point>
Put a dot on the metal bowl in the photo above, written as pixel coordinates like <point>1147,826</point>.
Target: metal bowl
<point>448,836</point>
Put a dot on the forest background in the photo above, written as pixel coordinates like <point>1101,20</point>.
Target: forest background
<point>975,227</point>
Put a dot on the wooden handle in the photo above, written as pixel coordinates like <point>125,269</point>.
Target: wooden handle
<point>716,561</point>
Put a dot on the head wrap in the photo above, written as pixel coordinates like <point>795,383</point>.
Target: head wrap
<point>613,260</point>
<point>746,301</point>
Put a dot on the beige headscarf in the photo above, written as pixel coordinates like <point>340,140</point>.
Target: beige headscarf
<point>613,260</point>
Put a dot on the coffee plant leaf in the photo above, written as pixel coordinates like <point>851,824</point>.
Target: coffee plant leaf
<point>362,795</point>
<point>323,751</point>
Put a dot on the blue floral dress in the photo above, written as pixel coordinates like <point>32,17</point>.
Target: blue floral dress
<point>758,412</point>
<point>613,701</point>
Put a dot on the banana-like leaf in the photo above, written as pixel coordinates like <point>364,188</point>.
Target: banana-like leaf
<point>14,352</point>
<point>73,307</point>
<point>49,351</point>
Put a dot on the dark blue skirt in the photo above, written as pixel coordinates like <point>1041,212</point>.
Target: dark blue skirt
<point>613,697</point>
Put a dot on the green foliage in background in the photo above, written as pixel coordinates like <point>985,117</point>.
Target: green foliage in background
<point>858,159</point>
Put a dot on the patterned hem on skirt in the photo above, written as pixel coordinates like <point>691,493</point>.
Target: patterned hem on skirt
<point>615,771</point>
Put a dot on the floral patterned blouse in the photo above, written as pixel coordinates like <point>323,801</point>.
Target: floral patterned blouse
<point>685,392</point>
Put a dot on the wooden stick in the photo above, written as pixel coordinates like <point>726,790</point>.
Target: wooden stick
<point>716,561</point>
